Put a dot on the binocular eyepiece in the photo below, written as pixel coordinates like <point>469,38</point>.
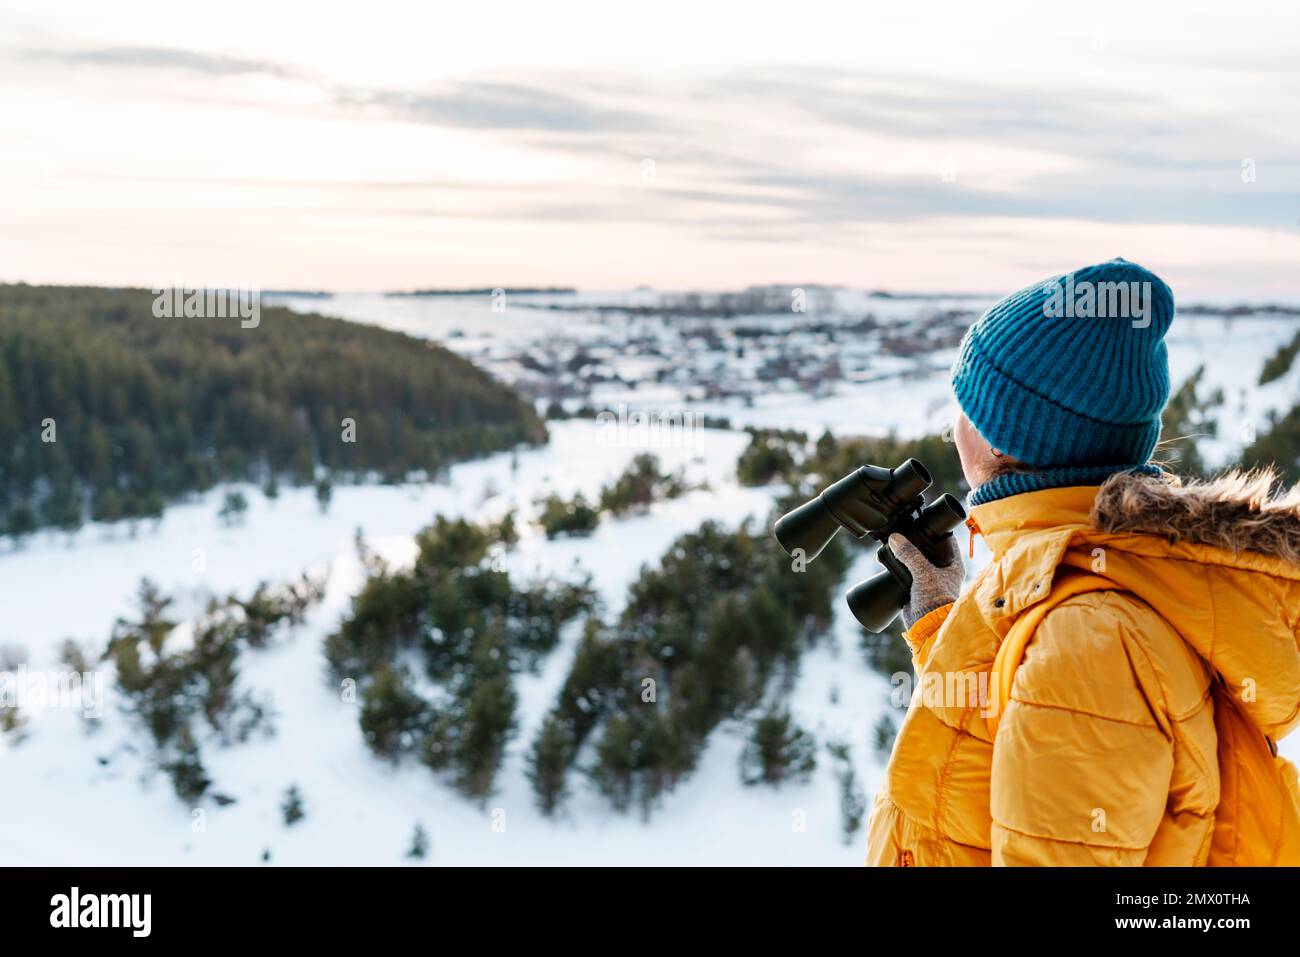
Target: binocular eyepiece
<point>878,502</point>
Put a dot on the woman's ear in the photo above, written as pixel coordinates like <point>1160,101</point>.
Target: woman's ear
<point>979,460</point>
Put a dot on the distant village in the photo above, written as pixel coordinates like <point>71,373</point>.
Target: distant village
<point>729,347</point>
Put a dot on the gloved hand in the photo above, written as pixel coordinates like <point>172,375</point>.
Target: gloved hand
<point>932,587</point>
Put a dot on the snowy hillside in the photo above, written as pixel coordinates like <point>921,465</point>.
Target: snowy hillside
<point>90,797</point>
<point>359,811</point>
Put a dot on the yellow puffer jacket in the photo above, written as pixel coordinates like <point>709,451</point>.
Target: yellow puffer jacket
<point>1106,751</point>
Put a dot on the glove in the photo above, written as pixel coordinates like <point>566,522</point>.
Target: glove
<point>932,587</point>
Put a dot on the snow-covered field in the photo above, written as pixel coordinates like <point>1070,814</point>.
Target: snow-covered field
<point>63,805</point>
<point>79,797</point>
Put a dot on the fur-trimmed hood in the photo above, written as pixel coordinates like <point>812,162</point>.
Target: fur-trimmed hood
<point>1239,511</point>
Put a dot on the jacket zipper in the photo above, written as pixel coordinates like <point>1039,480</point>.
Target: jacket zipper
<point>974,530</point>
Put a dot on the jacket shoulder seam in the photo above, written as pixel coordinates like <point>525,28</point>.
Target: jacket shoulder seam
<point>1096,600</point>
<point>1086,714</point>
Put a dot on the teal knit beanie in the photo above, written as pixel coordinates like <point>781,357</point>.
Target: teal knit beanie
<point>1071,371</point>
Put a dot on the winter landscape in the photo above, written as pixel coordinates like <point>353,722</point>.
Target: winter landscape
<point>734,397</point>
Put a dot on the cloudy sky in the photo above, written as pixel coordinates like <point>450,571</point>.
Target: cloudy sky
<point>604,145</point>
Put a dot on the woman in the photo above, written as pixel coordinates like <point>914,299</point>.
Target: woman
<point>1107,751</point>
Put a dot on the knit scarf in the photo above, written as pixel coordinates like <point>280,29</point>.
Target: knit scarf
<point>1017,483</point>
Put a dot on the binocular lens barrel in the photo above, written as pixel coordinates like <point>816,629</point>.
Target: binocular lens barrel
<point>809,527</point>
<point>877,601</point>
<point>941,516</point>
<point>909,480</point>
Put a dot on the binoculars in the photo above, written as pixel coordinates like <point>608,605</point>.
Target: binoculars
<point>878,502</point>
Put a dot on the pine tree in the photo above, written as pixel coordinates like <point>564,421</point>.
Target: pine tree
<point>391,714</point>
<point>767,459</point>
<point>574,517</point>
<point>324,493</point>
<point>777,750</point>
<point>63,508</point>
<point>853,801</point>
<point>419,844</point>
<point>189,778</point>
<point>487,721</point>
<point>107,506</point>
<point>11,721</point>
<point>22,520</point>
<point>636,488</point>
<point>153,626</point>
<point>884,734</point>
<point>1278,364</point>
<point>233,509</point>
<point>292,806</point>
<point>548,764</point>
